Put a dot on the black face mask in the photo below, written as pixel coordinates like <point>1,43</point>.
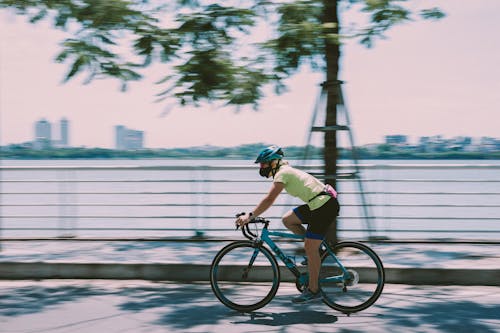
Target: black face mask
<point>264,172</point>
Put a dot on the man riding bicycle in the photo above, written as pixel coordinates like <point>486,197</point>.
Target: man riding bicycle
<point>319,211</point>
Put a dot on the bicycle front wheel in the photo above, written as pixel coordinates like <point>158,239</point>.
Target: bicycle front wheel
<point>352,280</point>
<point>244,276</point>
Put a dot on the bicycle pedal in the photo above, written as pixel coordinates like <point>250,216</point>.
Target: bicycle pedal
<point>304,262</point>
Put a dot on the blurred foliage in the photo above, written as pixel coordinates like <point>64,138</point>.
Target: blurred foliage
<point>205,43</point>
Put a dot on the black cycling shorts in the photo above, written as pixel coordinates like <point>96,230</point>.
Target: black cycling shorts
<point>318,220</point>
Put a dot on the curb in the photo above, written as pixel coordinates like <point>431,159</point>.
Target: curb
<point>200,272</point>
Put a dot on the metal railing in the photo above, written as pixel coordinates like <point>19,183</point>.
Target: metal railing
<point>408,201</point>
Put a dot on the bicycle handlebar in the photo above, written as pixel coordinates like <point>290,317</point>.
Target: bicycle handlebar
<point>246,229</point>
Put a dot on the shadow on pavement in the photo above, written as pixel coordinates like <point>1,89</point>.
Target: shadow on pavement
<point>26,300</point>
<point>453,316</point>
<point>196,305</point>
<point>446,310</point>
<point>184,307</point>
<point>288,318</point>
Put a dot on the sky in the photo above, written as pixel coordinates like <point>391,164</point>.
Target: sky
<point>426,78</point>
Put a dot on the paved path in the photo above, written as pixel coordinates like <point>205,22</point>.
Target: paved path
<point>80,306</point>
<point>479,256</point>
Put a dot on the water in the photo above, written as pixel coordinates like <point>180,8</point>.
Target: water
<point>445,202</point>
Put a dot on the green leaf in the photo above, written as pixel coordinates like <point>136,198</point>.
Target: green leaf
<point>129,74</point>
<point>41,14</point>
<point>105,39</point>
<point>165,92</point>
<point>61,20</point>
<point>144,45</point>
<point>76,67</point>
<point>61,57</point>
<point>165,79</point>
<point>147,60</point>
<point>432,14</point>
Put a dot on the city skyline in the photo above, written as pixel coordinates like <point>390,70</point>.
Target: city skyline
<point>127,138</point>
<point>426,78</point>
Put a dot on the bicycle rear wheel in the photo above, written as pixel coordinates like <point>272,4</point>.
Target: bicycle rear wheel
<point>244,276</point>
<point>363,283</point>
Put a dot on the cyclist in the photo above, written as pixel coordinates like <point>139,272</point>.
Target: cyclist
<point>320,209</point>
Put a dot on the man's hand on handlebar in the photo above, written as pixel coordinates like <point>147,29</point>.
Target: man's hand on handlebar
<point>243,219</point>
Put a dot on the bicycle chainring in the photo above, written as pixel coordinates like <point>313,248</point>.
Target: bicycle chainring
<point>302,282</point>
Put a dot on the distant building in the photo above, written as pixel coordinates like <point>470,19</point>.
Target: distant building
<point>64,139</point>
<point>396,139</point>
<point>459,143</point>
<point>489,145</point>
<point>43,135</point>
<point>128,139</point>
<point>120,137</point>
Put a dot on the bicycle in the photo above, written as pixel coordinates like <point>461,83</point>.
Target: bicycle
<point>245,276</point>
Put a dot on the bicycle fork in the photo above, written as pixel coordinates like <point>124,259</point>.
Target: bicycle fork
<point>255,253</point>
<point>250,264</point>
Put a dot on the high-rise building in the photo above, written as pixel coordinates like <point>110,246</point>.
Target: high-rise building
<point>119,137</point>
<point>43,135</point>
<point>64,139</point>
<point>134,139</point>
<point>128,139</point>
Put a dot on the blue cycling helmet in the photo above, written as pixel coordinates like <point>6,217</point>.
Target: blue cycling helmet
<point>270,153</point>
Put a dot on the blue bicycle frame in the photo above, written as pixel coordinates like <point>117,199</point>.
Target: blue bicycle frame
<point>265,237</point>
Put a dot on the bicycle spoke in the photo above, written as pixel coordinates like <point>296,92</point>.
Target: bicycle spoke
<point>244,278</point>
<point>362,277</point>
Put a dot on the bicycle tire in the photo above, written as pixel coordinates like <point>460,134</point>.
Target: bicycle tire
<point>366,277</point>
<point>241,289</point>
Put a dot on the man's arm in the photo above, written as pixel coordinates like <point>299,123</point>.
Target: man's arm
<point>269,199</point>
<point>267,202</point>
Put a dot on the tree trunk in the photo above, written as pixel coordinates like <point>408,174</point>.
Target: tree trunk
<point>332,57</point>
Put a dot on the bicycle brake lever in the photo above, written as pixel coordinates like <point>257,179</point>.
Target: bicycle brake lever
<point>238,215</point>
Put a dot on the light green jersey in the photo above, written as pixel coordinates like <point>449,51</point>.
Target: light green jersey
<point>302,185</point>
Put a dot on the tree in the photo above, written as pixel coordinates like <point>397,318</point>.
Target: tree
<point>201,43</point>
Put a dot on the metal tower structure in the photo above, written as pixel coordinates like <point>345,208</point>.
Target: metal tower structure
<point>345,125</point>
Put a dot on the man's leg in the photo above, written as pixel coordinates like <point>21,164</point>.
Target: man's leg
<point>293,223</point>
<point>311,246</point>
